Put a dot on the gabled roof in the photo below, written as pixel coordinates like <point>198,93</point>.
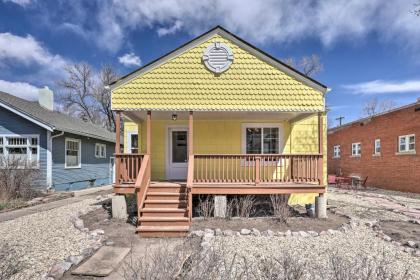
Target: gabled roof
<point>230,36</point>
<point>51,120</point>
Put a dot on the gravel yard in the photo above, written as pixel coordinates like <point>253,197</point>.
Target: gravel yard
<point>44,238</point>
<point>358,248</point>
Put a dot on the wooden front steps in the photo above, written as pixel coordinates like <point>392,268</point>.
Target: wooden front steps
<point>164,213</point>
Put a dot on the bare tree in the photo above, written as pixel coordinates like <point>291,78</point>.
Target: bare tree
<point>417,9</point>
<point>370,107</point>
<point>84,94</point>
<point>78,88</point>
<point>373,106</point>
<point>102,95</point>
<point>309,65</point>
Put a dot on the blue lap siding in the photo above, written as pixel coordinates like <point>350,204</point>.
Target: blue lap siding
<point>93,170</point>
<point>11,123</point>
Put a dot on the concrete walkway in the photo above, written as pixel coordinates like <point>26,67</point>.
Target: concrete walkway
<point>78,196</point>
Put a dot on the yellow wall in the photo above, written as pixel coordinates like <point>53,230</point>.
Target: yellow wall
<point>225,137</point>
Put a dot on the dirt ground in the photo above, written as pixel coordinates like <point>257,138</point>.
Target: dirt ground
<point>334,221</point>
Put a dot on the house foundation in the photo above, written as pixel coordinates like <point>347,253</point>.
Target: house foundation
<point>119,207</point>
<point>321,207</point>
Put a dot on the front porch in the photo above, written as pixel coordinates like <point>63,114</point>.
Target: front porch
<point>213,173</point>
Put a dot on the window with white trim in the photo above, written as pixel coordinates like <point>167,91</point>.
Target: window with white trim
<point>22,148</point>
<point>356,149</point>
<point>100,150</point>
<point>262,140</point>
<point>337,151</point>
<point>73,153</point>
<point>407,143</point>
<point>377,150</point>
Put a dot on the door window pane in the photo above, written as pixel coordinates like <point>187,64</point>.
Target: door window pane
<point>134,138</point>
<point>179,146</point>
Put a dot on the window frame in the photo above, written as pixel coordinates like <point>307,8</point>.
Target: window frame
<point>99,146</point>
<point>337,155</point>
<point>245,126</point>
<point>359,154</point>
<point>375,147</point>
<point>407,150</point>
<point>79,154</point>
<point>28,146</point>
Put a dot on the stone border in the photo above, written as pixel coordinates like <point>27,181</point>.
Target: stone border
<point>59,268</point>
<point>208,234</point>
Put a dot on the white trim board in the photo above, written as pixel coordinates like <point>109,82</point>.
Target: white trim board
<point>25,116</point>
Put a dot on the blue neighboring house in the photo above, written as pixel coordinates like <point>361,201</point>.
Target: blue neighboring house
<point>70,153</point>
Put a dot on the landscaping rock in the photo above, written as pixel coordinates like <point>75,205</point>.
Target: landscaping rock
<point>410,244</point>
<point>209,231</point>
<point>332,232</point>
<point>280,234</point>
<point>87,252</point>
<point>218,232</point>
<point>256,232</point>
<point>228,232</point>
<point>323,233</point>
<point>99,231</point>
<point>109,243</point>
<point>75,259</point>
<point>288,233</point>
<point>295,233</point>
<point>197,233</point>
<point>270,233</point>
<point>84,230</point>
<point>58,269</point>
<point>245,231</point>
<point>386,238</point>
<point>78,223</point>
<point>303,233</point>
<point>313,233</point>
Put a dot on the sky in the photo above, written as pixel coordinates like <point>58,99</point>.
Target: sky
<point>369,49</point>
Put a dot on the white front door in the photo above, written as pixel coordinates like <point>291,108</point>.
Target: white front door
<point>177,155</point>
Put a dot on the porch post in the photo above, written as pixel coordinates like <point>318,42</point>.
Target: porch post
<point>190,133</point>
<point>149,133</point>
<point>117,163</point>
<point>320,148</point>
<point>118,133</point>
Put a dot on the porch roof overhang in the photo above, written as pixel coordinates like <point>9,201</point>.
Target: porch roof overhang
<point>141,115</point>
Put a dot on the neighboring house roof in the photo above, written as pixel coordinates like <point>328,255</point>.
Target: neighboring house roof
<point>416,106</point>
<point>255,81</point>
<point>51,120</point>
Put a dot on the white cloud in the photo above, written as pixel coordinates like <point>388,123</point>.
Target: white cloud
<point>163,31</point>
<point>22,3</point>
<point>19,89</point>
<point>16,51</point>
<point>263,21</point>
<point>384,87</point>
<point>129,59</point>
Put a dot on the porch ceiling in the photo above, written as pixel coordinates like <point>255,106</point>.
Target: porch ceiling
<point>140,116</point>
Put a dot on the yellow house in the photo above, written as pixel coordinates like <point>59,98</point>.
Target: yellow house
<point>217,116</point>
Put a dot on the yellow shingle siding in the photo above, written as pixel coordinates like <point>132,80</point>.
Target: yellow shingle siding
<point>184,83</point>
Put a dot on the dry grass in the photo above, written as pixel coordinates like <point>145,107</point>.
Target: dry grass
<point>187,261</point>
<point>10,263</point>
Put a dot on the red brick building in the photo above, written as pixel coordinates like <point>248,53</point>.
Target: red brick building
<point>385,148</point>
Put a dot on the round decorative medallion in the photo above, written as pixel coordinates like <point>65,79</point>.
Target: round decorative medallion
<point>218,57</point>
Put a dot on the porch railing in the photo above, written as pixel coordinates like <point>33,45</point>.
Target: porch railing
<point>127,168</point>
<point>256,168</point>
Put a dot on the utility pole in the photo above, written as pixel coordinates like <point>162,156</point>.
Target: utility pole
<point>339,119</point>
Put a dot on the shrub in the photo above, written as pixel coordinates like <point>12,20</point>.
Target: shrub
<point>245,206</point>
<point>17,178</point>
<point>205,207</point>
<point>280,207</point>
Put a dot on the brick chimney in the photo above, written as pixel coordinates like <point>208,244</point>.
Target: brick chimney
<point>46,98</point>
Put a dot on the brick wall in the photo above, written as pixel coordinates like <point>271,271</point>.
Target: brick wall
<point>389,170</point>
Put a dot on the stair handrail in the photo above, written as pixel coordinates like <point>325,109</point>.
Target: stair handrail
<point>190,183</point>
<point>143,181</point>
